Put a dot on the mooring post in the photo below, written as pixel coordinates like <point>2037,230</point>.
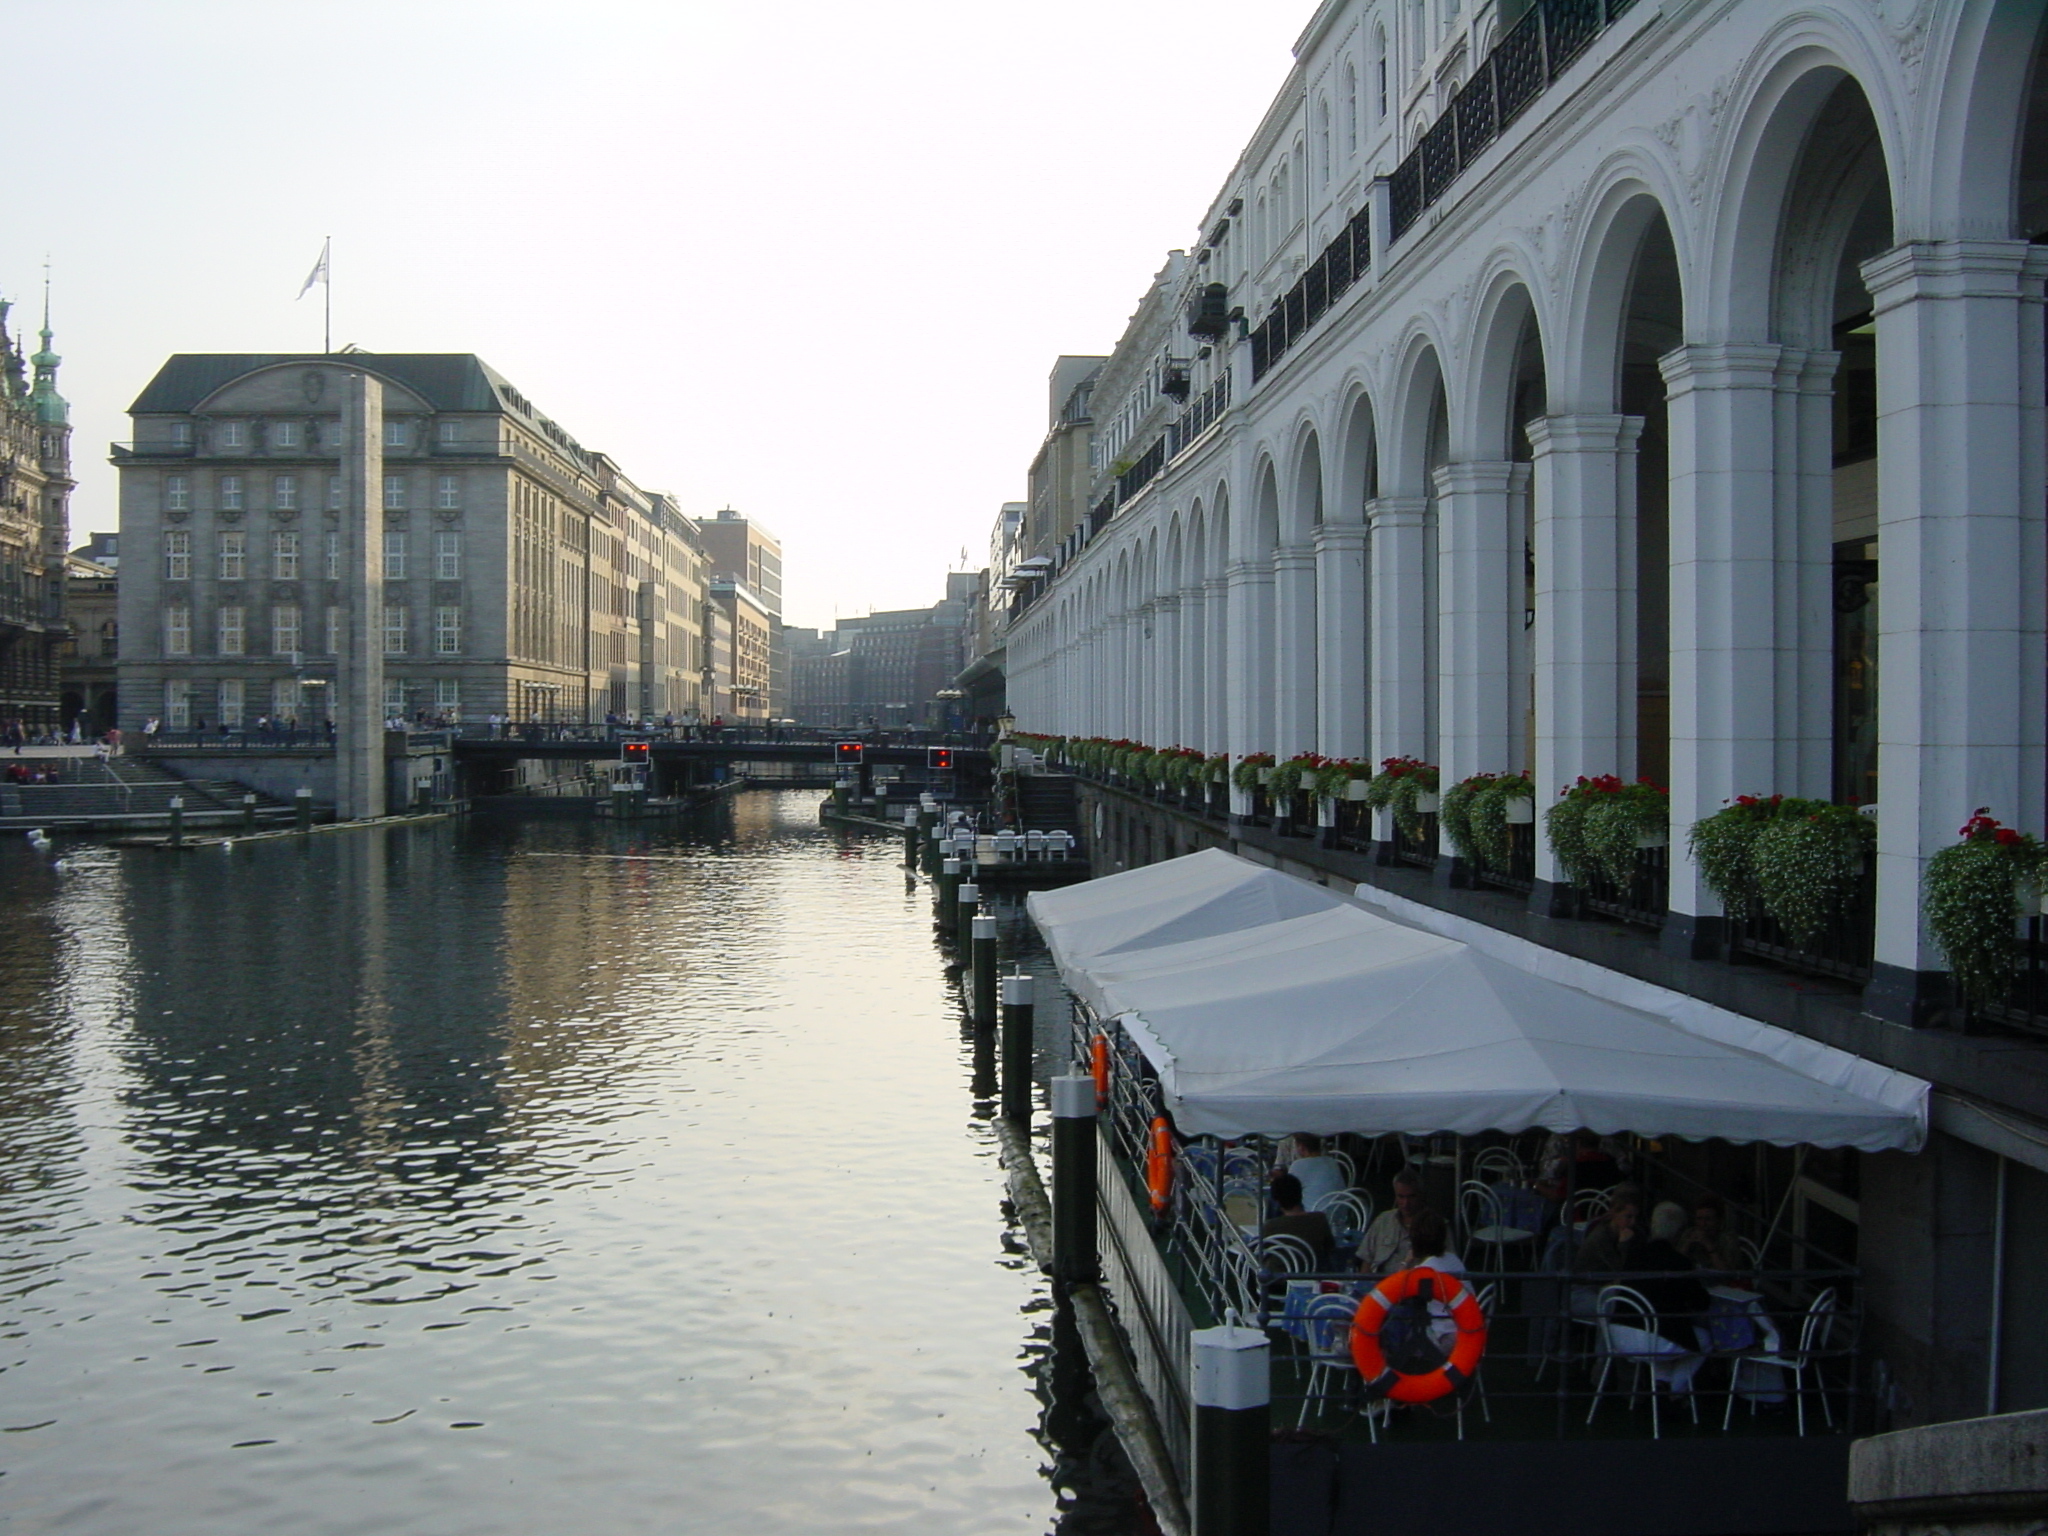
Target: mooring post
<point>934,845</point>
<point>910,845</point>
<point>248,813</point>
<point>982,952</point>
<point>177,821</point>
<point>1074,1258</point>
<point>1232,1450</point>
<point>302,808</point>
<point>947,895</point>
<point>966,902</point>
<point>1018,992</point>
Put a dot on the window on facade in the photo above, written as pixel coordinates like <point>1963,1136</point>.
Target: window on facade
<point>284,698</point>
<point>1350,108</point>
<point>229,628</point>
<point>394,434</point>
<point>394,491</point>
<point>284,556</point>
<point>334,493</point>
<point>394,698</point>
<point>397,629</point>
<point>448,695</point>
<point>334,557</point>
<point>447,630</point>
<point>234,549</point>
<point>448,493</point>
<point>451,431</point>
<point>394,555</point>
<point>178,704</point>
<point>1379,73</point>
<point>448,556</point>
<point>284,491</point>
<point>284,629</point>
<point>177,555</point>
<point>232,698</point>
<point>231,493</point>
<point>178,630</point>
<point>233,434</point>
<point>177,493</point>
<point>1322,170</point>
<point>286,434</point>
<point>181,434</point>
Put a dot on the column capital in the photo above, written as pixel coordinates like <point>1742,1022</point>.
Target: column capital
<point>1474,476</point>
<point>1955,269</point>
<point>1295,557</point>
<point>1243,573</point>
<point>1722,365</point>
<point>1582,434</point>
<point>1333,536</point>
<point>1396,512</point>
<point>1165,602</point>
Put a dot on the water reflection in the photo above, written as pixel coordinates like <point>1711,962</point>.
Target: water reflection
<point>499,1180</point>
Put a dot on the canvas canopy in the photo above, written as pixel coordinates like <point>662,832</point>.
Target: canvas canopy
<point>1338,1019</point>
<point>1202,896</point>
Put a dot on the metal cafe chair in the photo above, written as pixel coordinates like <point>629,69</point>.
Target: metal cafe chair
<point>1815,1331</point>
<point>1479,1214</point>
<point>1350,1213</point>
<point>1497,1165</point>
<point>1628,1334</point>
<point>1328,1324</point>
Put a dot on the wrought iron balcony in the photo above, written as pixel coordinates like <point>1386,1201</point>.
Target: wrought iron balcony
<point>1329,277</point>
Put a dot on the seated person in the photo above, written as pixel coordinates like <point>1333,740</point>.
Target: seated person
<point>1680,1301</point>
<point>1429,1241</point>
<point>1313,1227</point>
<point>1384,1248</point>
<point>1615,1244</point>
<point>1319,1175</point>
<point>1708,1242</point>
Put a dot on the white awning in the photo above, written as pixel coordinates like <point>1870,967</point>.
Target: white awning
<point>1336,1019</point>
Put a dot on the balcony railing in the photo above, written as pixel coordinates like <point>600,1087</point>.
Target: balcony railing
<point>1642,901</point>
<point>1519,877</point>
<point>1342,263</point>
<point>1539,48</point>
<point>1841,950</point>
<point>2025,1007</point>
<point>1418,851</point>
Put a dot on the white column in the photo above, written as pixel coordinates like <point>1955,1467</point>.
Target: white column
<point>1166,669</point>
<point>1723,408</point>
<point>1399,646</point>
<point>1806,573</point>
<point>1192,725</point>
<point>1584,640</point>
<point>1294,650</point>
<point>359,788</point>
<point>1250,657</point>
<point>1216,665</point>
<point>1343,685</point>
<point>1479,609</point>
<point>1961,552</point>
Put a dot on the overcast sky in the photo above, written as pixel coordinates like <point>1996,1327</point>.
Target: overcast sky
<point>809,259</point>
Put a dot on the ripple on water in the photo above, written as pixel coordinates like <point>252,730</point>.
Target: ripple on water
<point>455,1180</point>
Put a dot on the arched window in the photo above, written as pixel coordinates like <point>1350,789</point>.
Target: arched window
<point>1298,209</point>
<point>1322,142</point>
<point>1379,74</point>
<point>1262,238</point>
<point>1350,109</point>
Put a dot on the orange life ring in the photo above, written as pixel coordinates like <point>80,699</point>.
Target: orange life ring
<point>1381,1379</point>
<point>1098,1051</point>
<point>1159,1165</point>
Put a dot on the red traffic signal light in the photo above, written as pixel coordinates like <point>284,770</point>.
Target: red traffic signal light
<point>939,757</point>
<point>636,752</point>
<point>847,751</point>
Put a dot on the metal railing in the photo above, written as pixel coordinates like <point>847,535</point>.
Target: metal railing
<point>2024,1008</point>
<point>1643,901</point>
<point>1342,263</point>
<point>1536,50</point>
<point>1417,850</point>
<point>1842,949</point>
<point>1519,877</point>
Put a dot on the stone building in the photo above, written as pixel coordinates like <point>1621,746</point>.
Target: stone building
<point>743,685</point>
<point>35,494</point>
<point>742,551</point>
<point>1590,389</point>
<point>92,608</point>
<point>523,574</point>
<point>888,668</point>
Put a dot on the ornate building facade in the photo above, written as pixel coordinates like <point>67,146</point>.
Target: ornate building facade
<point>35,497</point>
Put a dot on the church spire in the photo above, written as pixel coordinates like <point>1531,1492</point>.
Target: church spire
<point>52,410</point>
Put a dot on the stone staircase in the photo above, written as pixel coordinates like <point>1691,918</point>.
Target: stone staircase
<point>122,792</point>
<point>1046,802</point>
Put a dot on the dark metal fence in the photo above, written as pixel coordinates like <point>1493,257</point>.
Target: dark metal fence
<point>1342,263</point>
<point>1643,900</point>
<point>1539,48</point>
<point>1520,875</point>
<point>1842,949</point>
<point>2025,1007</point>
<point>1418,851</point>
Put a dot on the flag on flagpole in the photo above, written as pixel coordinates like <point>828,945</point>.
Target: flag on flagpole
<point>319,272</point>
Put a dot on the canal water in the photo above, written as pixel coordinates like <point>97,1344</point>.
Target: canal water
<point>505,1179</point>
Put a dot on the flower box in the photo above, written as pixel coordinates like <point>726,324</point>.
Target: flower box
<point>1357,789</point>
<point>1426,804</point>
<point>1521,812</point>
<point>1265,777</point>
<point>1653,839</point>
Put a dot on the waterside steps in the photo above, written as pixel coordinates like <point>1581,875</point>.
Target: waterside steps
<point>125,793</point>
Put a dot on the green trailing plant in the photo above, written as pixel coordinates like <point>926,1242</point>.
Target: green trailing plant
<point>1597,824</point>
<point>1721,845</point>
<point>1808,860</point>
<point>1493,844</point>
<point>1335,776</point>
<point>1400,781</point>
<point>1454,815</point>
<point>1217,769</point>
<point>1971,896</point>
<point>1295,776</point>
<point>1246,774</point>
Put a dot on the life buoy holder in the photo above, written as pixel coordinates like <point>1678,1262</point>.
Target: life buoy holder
<point>1098,1056</point>
<point>1159,1165</point>
<point>1381,1379</point>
